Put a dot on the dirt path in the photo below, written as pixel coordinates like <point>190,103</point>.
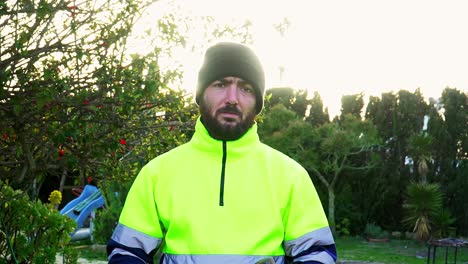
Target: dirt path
<point>59,260</point>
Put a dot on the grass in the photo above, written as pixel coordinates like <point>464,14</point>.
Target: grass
<point>353,249</point>
<point>87,250</point>
<point>392,252</point>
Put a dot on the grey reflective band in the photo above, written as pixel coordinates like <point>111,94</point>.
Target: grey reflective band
<point>132,238</point>
<point>322,236</point>
<point>217,259</point>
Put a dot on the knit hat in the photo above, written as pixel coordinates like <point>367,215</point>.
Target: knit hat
<point>232,59</point>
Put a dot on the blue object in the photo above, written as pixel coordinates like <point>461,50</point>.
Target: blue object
<point>81,207</point>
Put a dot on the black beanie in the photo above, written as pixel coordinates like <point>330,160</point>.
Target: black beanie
<point>232,59</point>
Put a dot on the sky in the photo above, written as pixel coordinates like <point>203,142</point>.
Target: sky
<point>348,47</point>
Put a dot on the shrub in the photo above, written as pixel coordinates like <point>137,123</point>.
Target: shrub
<point>31,232</point>
<point>107,219</point>
<point>422,205</point>
<point>374,231</point>
<point>342,228</point>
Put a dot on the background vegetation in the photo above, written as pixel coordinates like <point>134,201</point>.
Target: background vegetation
<point>75,107</point>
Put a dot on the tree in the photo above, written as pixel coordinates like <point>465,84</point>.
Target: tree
<point>352,104</point>
<point>72,103</point>
<point>409,119</point>
<point>420,149</point>
<point>424,202</point>
<point>447,126</point>
<point>382,112</point>
<point>325,152</point>
<point>343,147</point>
<point>455,112</point>
<point>317,114</point>
<point>294,100</point>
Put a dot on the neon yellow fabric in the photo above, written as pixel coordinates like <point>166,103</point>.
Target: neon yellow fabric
<point>268,198</point>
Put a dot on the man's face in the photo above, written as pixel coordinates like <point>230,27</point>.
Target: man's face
<point>227,108</point>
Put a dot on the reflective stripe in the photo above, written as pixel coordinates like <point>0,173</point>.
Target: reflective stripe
<point>322,236</point>
<point>217,259</point>
<point>132,238</point>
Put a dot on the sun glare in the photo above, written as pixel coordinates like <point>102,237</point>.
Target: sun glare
<point>341,47</point>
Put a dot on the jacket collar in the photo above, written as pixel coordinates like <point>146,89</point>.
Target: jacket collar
<point>202,141</point>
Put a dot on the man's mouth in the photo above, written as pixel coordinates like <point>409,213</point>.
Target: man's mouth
<point>230,114</point>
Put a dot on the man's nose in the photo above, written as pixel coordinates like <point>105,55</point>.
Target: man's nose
<point>232,94</point>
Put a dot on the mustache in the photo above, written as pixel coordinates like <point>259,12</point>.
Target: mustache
<point>231,109</point>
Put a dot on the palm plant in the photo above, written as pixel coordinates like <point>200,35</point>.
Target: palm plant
<point>423,203</point>
<point>443,224</point>
<point>420,148</point>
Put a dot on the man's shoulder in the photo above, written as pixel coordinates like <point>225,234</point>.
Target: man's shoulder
<point>278,156</point>
<point>177,152</point>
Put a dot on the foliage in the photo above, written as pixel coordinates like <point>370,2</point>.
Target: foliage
<point>455,112</point>
<point>423,203</point>
<point>343,227</point>
<point>326,151</point>
<point>443,224</point>
<point>31,232</point>
<point>352,105</point>
<point>373,230</point>
<point>317,114</point>
<point>294,100</point>
<point>420,149</point>
<point>107,219</point>
<point>73,105</point>
<point>274,120</point>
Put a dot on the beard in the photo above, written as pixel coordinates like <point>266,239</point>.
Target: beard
<point>226,131</point>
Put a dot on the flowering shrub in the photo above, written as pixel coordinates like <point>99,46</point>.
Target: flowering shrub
<point>30,232</point>
<point>55,198</point>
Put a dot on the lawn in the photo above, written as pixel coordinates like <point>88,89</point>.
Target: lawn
<point>392,252</point>
<point>354,249</point>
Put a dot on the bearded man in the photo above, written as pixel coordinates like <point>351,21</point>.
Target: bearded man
<point>224,197</point>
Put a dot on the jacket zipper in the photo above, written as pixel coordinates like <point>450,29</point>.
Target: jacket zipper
<point>223,169</point>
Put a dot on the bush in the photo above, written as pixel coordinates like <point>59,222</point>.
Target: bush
<point>374,231</point>
<point>107,219</point>
<point>342,229</point>
<point>31,232</point>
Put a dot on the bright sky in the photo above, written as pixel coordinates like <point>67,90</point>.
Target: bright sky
<point>347,47</point>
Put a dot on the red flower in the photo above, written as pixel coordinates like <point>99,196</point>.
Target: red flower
<point>171,128</point>
<point>72,10</point>
<point>123,142</point>
<point>89,179</point>
<point>5,136</point>
<point>86,102</point>
<point>61,152</point>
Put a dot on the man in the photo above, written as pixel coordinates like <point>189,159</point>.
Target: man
<point>224,197</point>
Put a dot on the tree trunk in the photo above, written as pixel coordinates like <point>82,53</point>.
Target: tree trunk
<point>331,209</point>
<point>62,180</point>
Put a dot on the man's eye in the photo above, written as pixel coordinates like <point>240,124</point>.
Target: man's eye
<point>218,84</point>
<point>247,89</point>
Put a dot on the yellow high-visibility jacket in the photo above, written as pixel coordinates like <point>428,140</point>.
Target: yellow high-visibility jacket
<point>217,201</point>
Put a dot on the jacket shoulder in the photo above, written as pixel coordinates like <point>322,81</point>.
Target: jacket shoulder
<point>280,160</point>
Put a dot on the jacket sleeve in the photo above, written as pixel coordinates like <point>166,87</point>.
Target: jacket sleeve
<point>308,237</point>
<point>138,233</point>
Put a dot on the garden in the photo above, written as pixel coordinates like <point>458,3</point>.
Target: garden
<point>76,110</point>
